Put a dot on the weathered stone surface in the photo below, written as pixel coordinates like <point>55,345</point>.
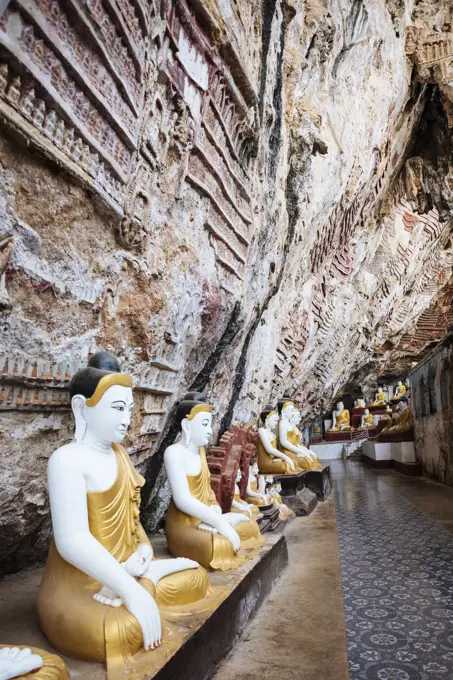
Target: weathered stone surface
<point>239,197</point>
<point>303,502</point>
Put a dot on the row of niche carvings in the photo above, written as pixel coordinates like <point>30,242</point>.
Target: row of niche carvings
<point>126,99</point>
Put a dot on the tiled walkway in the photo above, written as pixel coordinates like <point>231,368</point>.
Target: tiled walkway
<point>397,576</point>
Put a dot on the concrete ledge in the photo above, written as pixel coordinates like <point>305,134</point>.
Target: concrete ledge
<point>377,464</point>
<point>403,452</point>
<point>377,451</point>
<point>201,653</point>
<point>328,450</point>
<point>409,469</point>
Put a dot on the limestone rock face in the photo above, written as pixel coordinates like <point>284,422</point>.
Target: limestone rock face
<point>232,196</point>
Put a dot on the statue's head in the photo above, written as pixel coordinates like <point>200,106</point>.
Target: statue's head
<point>269,417</point>
<point>367,412</point>
<point>238,476</point>
<point>296,417</point>
<point>286,407</point>
<point>195,416</point>
<point>254,467</point>
<point>399,383</point>
<point>403,404</point>
<point>101,399</point>
<point>340,406</point>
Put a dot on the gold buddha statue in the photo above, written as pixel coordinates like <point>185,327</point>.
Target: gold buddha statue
<point>341,420</point>
<point>309,461</point>
<point>367,420</point>
<point>380,398</point>
<point>239,505</point>
<point>404,420</point>
<point>284,512</point>
<point>103,596</point>
<point>196,527</point>
<point>400,391</point>
<point>253,495</point>
<point>272,461</point>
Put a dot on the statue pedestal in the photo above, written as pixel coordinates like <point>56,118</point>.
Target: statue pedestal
<point>269,521</point>
<point>340,436</point>
<point>319,481</point>
<point>356,416</point>
<point>296,494</point>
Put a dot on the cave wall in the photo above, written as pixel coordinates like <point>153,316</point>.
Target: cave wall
<point>227,194</point>
<point>432,405</point>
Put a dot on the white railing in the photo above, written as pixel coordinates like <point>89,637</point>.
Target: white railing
<point>356,443</point>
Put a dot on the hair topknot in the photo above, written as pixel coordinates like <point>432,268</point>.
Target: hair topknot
<point>105,361</point>
<point>188,402</point>
<point>86,380</point>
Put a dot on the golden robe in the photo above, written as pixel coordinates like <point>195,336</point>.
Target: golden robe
<point>53,667</point>
<point>301,463</point>
<point>253,483</point>
<point>211,550</point>
<point>305,463</point>
<point>273,466</point>
<point>78,625</point>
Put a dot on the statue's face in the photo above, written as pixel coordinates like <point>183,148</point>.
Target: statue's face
<point>367,413</point>
<point>288,412</point>
<point>340,406</point>
<point>111,417</point>
<point>272,421</point>
<point>255,468</point>
<point>199,428</point>
<point>399,383</point>
<point>279,487</point>
<point>238,476</point>
<point>296,418</point>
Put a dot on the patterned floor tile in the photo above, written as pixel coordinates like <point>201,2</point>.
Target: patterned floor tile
<point>397,575</point>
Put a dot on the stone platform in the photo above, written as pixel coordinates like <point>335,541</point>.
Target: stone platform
<point>398,455</point>
<point>301,492</point>
<point>206,645</point>
<point>327,450</point>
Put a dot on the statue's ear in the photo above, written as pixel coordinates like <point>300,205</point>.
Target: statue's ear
<point>78,402</point>
<point>185,426</point>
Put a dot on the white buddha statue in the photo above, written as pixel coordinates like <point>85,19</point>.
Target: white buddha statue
<point>359,403</point>
<point>270,459</point>
<point>253,494</point>
<point>196,526</point>
<point>289,436</point>
<point>341,420</point>
<point>241,506</point>
<point>400,390</point>
<point>284,512</point>
<point>366,420</point>
<point>312,458</point>
<point>101,593</point>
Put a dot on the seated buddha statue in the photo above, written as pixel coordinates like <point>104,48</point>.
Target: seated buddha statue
<point>284,512</point>
<point>271,461</point>
<point>289,436</point>
<point>359,403</point>
<point>400,391</point>
<point>91,605</point>
<point>195,526</point>
<point>16,662</point>
<point>311,461</point>
<point>367,420</point>
<point>380,398</point>
<point>253,494</point>
<point>238,505</point>
<point>402,421</point>
<point>341,420</point>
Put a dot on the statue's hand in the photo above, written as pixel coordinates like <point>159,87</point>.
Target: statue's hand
<point>142,606</point>
<point>139,561</point>
<point>15,662</point>
<point>217,509</point>
<point>229,533</point>
<point>234,518</point>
